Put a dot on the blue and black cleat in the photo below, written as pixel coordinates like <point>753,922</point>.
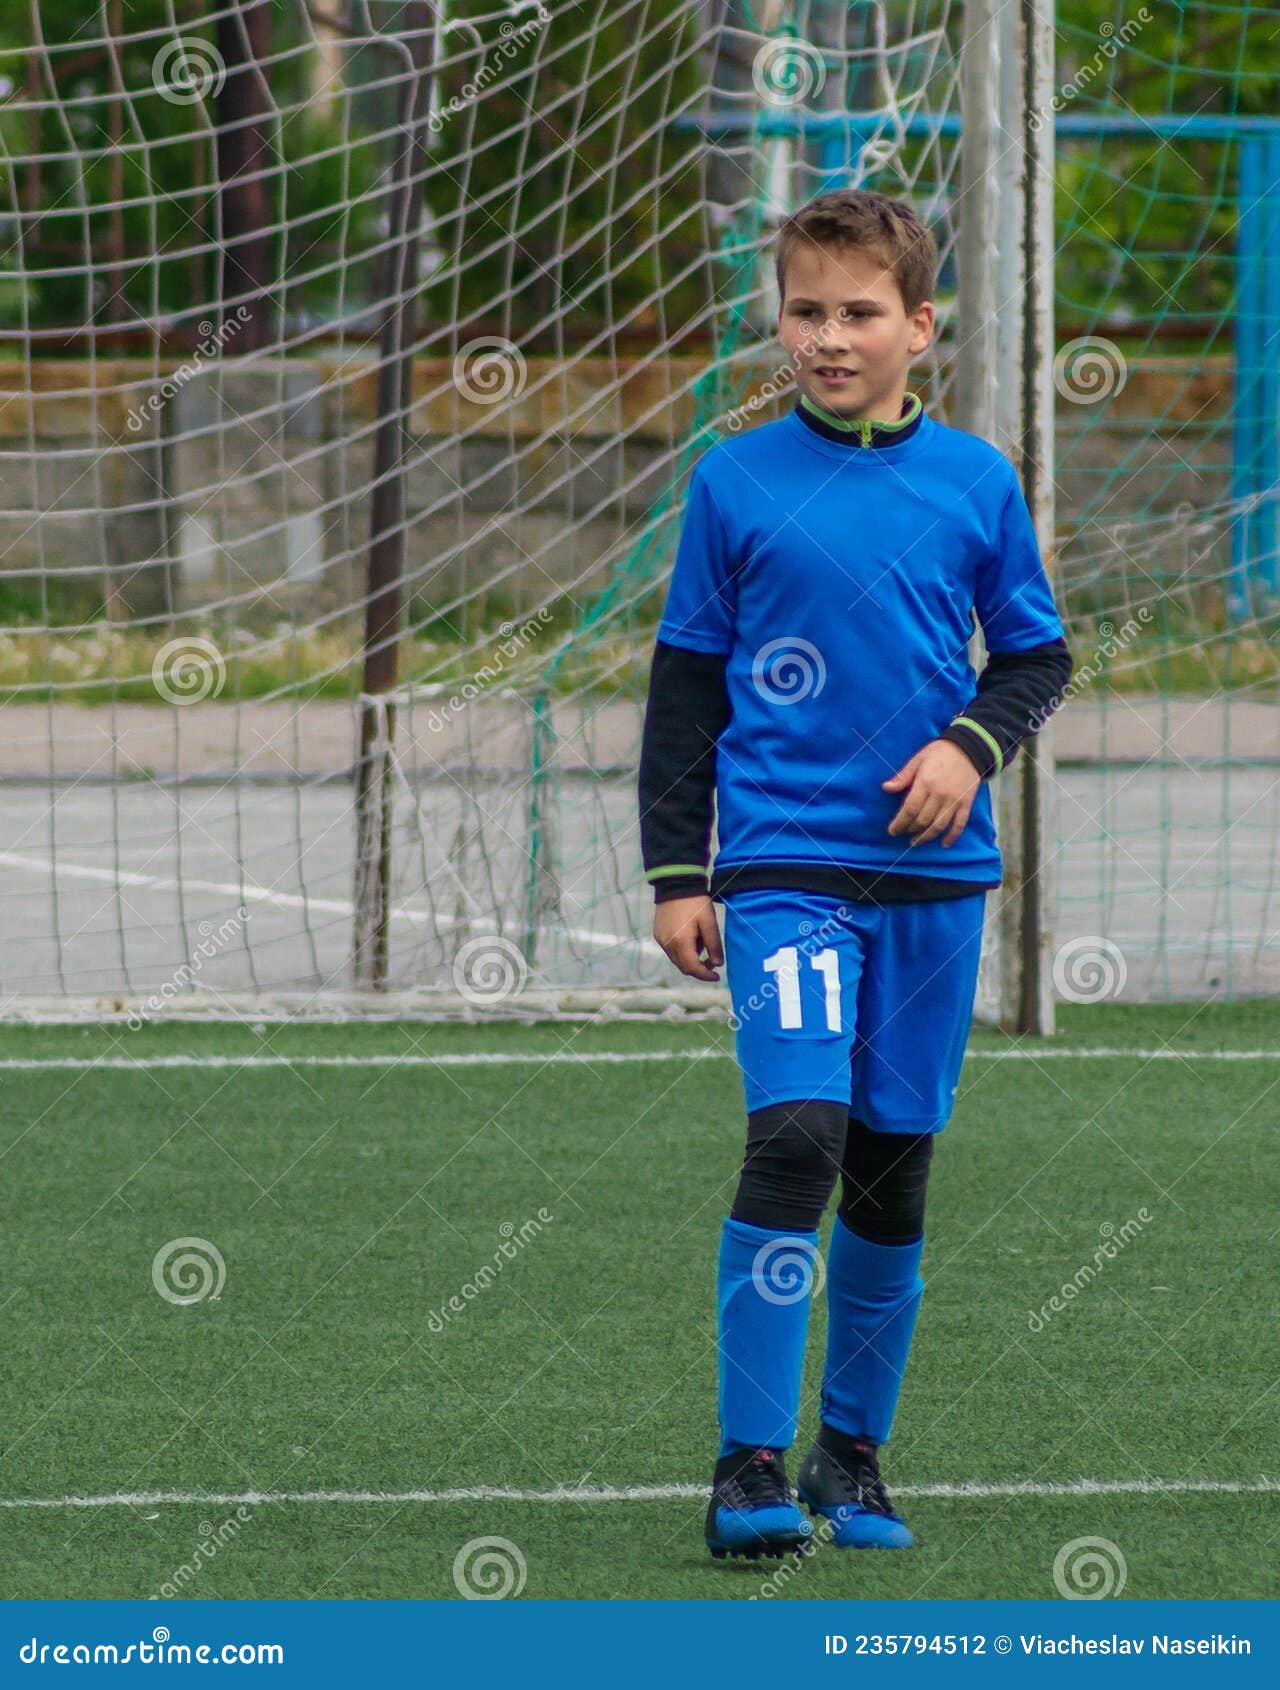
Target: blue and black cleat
<point>752,1511</point>
<point>840,1482</point>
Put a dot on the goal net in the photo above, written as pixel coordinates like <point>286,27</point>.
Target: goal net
<point>357,355</point>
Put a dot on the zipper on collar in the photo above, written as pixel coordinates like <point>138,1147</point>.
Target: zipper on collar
<point>861,429</point>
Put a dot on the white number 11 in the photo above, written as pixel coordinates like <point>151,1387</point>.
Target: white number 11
<point>785,963</point>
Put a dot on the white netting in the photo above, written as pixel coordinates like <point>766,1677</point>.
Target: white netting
<point>346,332</point>
<point>340,320</point>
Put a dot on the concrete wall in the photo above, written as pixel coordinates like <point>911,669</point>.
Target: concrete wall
<point>243,486</point>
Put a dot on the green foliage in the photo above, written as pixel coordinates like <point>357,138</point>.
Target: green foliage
<point>127,184</point>
<point>569,190</point>
<point>1146,221</point>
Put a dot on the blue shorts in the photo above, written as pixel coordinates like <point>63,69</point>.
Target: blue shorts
<point>863,1004</point>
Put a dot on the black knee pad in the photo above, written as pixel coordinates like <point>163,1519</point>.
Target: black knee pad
<point>883,1182</point>
<point>793,1158</point>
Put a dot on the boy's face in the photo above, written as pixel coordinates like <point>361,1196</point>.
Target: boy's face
<point>847,332</point>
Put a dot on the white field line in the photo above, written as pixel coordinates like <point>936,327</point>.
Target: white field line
<point>248,894</point>
<point>562,1058</point>
<point>636,1493</point>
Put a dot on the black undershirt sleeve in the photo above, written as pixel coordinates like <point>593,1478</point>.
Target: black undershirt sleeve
<point>687,710</point>
<point>1017,692</point>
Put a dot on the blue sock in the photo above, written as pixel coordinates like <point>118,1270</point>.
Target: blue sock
<point>873,1297</point>
<point>762,1298</point>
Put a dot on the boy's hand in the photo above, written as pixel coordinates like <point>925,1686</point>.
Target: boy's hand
<point>686,928</point>
<point>941,784</point>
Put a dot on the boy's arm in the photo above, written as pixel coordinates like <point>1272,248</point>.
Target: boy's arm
<point>687,711</point>
<point>1028,664</point>
<point>688,705</point>
<point>1017,692</point>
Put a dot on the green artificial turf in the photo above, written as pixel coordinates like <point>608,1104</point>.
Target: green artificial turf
<point>350,1204</point>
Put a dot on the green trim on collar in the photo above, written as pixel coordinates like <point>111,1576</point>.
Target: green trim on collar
<point>977,728</point>
<point>865,426</point>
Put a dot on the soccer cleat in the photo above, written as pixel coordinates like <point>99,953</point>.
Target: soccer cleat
<point>840,1481</point>
<point>752,1511</point>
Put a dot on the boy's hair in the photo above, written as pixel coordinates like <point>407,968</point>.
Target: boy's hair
<point>855,217</point>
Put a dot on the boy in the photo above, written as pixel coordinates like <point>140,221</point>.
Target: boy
<point>811,676</point>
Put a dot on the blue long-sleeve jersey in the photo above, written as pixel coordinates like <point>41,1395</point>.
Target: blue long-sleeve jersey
<point>837,589</point>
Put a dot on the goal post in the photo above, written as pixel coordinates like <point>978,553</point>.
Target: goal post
<point>1004,392</point>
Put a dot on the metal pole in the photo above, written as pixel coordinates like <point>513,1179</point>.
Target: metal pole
<point>1008,433</point>
<point>383,603</point>
<point>1004,376</point>
<point>975,403</point>
<point>1035,1010</point>
<point>1250,260</point>
<point>976,374</point>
